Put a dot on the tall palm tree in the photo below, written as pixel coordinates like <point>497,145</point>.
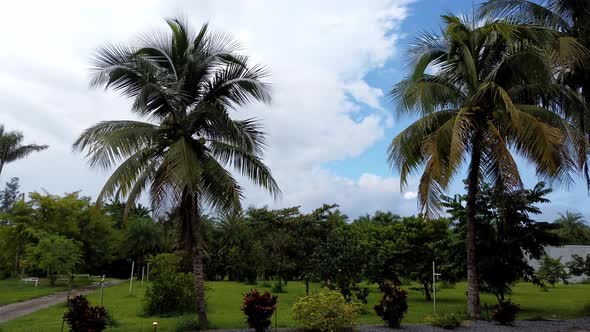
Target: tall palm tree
<point>569,19</point>
<point>11,147</point>
<point>488,92</point>
<point>573,227</point>
<point>185,84</point>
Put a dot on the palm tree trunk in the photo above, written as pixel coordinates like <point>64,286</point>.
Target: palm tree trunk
<point>200,286</point>
<point>193,244</point>
<point>473,304</point>
<point>198,271</point>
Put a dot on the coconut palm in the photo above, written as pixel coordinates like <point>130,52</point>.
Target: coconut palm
<point>570,48</point>
<point>11,147</point>
<point>185,84</point>
<point>573,228</point>
<point>488,92</point>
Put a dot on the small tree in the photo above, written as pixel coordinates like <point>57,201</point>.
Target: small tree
<point>552,271</point>
<point>170,291</point>
<point>54,254</point>
<point>579,266</point>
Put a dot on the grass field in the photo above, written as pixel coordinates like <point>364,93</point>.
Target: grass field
<point>224,299</point>
<point>12,290</point>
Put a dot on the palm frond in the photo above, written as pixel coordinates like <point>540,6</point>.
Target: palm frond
<point>110,142</point>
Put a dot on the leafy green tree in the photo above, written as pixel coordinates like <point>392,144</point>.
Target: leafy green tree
<point>101,242</point>
<point>55,255</point>
<point>423,242</point>
<point>142,237</point>
<point>552,271</point>
<point>341,261</point>
<point>480,106</point>
<point>573,228</point>
<point>507,237</point>
<point>9,195</point>
<point>70,216</point>
<point>11,147</point>
<point>579,266</point>
<point>116,210</point>
<point>185,83</point>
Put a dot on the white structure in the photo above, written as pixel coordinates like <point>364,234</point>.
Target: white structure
<point>566,253</point>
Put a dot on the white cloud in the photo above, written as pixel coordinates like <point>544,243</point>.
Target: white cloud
<point>410,195</point>
<point>318,53</point>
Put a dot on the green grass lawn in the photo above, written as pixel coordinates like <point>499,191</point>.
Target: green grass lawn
<point>12,290</point>
<point>224,299</point>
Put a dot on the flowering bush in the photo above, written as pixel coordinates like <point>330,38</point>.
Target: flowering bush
<point>325,311</point>
<point>259,309</point>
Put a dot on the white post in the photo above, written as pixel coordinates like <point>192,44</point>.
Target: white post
<point>434,287</point>
<point>142,274</point>
<point>102,289</point>
<point>131,279</point>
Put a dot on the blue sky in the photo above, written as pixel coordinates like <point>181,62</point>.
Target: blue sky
<point>331,62</point>
<point>425,15</point>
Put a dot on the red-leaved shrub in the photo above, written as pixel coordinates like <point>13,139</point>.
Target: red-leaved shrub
<point>259,309</point>
<point>83,317</point>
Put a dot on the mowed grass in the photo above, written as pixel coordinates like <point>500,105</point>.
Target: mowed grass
<point>13,290</point>
<point>224,299</point>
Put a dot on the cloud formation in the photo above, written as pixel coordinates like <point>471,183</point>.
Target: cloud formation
<point>318,52</point>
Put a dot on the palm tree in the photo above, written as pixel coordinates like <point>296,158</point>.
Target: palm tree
<point>573,228</point>
<point>11,147</point>
<point>480,104</point>
<point>142,237</point>
<point>569,19</point>
<point>231,225</point>
<point>185,84</point>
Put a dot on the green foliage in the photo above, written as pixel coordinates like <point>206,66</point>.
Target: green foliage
<point>8,196</point>
<point>55,255</point>
<point>505,312</point>
<point>278,287</point>
<point>70,216</point>
<point>259,309</point>
<point>341,259</point>
<point>393,304</point>
<point>187,323</point>
<point>142,237</point>
<point>579,266</point>
<point>552,271</point>
<point>170,291</point>
<point>506,236</point>
<point>325,311</point>
<point>83,317</point>
<point>11,147</point>
<point>447,321</point>
<point>572,228</point>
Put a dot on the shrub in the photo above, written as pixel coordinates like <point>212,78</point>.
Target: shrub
<point>393,304</point>
<point>82,317</point>
<point>362,294</point>
<point>187,323</point>
<point>259,309</point>
<point>277,287</point>
<point>170,291</point>
<point>325,311</point>
<point>552,271</point>
<point>505,312</point>
<point>446,321</point>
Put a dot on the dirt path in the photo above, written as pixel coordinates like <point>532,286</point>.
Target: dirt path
<point>15,310</point>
